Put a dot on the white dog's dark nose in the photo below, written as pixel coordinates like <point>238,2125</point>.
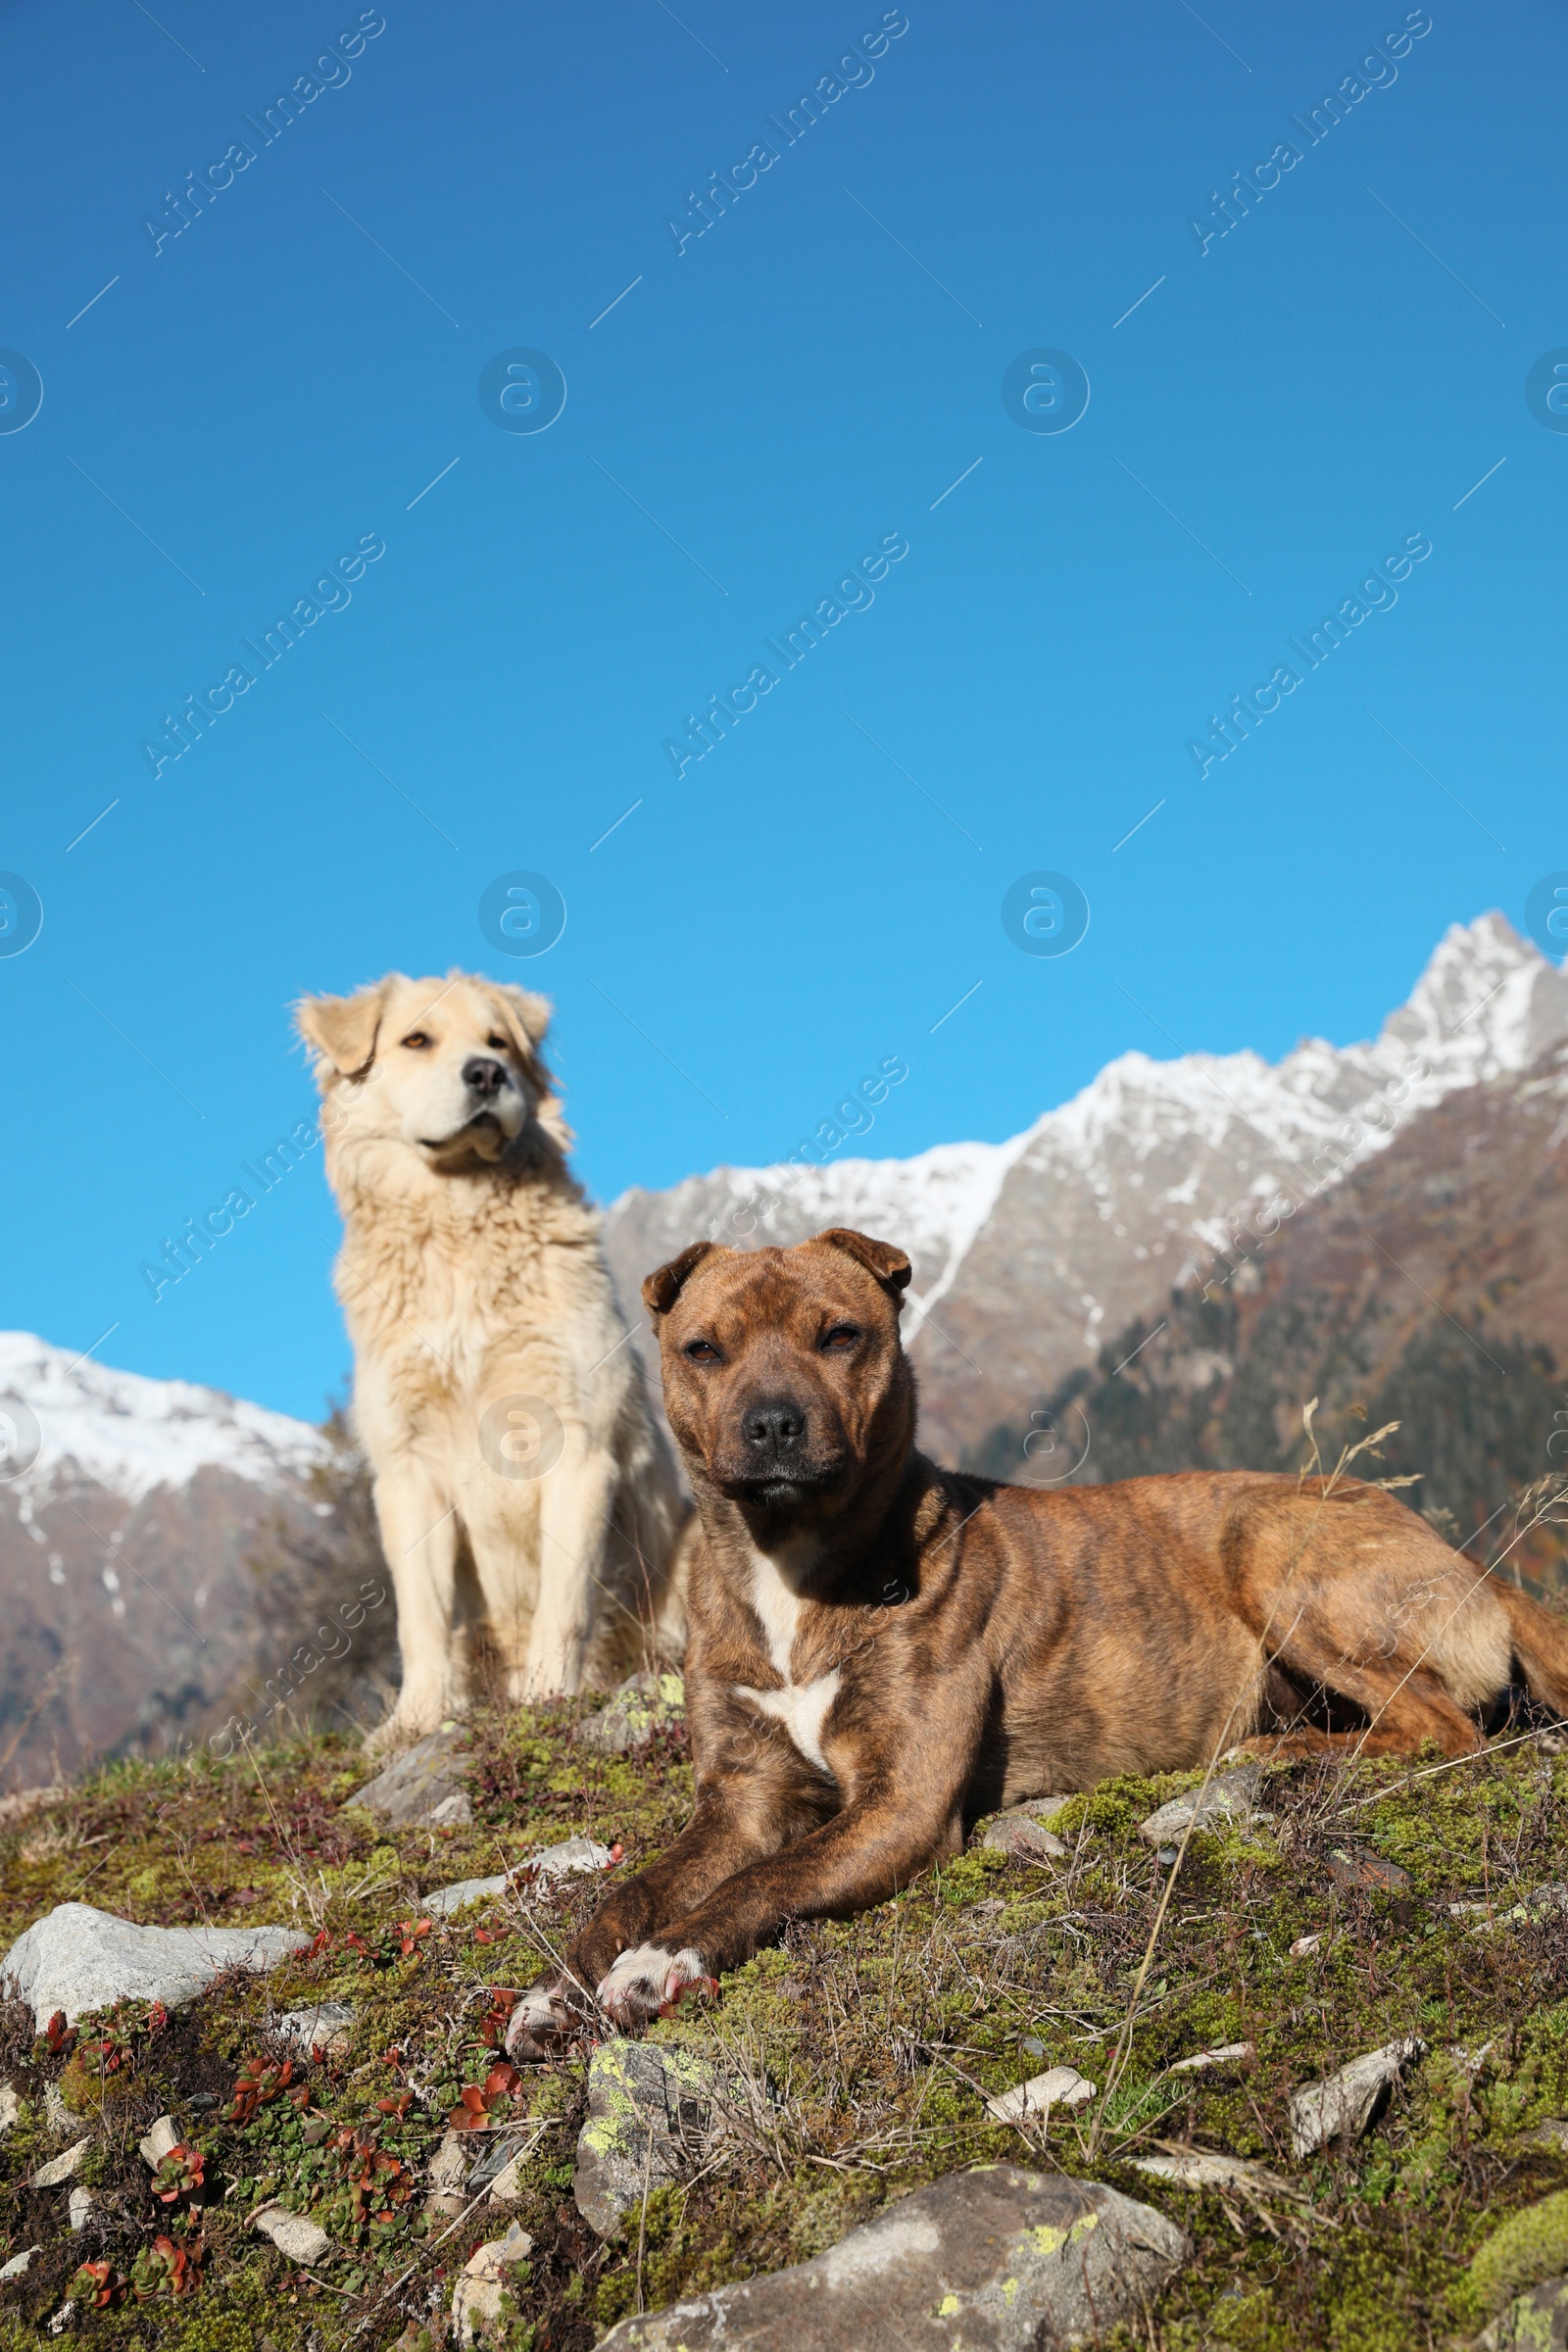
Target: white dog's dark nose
<point>484,1077</point>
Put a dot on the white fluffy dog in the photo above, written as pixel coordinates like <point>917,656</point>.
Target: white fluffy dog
<point>521,1483</point>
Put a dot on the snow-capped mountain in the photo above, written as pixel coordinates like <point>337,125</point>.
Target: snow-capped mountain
<point>1029,1254</point>
<point>128,1434</point>
<point>127,1509</point>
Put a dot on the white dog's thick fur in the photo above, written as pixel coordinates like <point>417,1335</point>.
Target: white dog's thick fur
<point>520,1480</point>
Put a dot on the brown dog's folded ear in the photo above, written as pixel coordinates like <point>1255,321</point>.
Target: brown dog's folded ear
<point>884,1260</point>
<point>665,1285</point>
<point>343,1028</point>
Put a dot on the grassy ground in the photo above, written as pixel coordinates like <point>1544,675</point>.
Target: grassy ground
<point>866,2046</point>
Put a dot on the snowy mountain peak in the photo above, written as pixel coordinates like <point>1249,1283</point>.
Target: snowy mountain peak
<point>61,1415</point>
<point>1488,1002</point>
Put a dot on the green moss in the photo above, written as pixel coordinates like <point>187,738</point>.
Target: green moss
<point>861,2049</point>
<point>1530,2247</point>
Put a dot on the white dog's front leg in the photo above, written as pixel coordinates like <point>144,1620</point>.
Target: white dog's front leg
<point>574,1512</point>
<point>420,1536</point>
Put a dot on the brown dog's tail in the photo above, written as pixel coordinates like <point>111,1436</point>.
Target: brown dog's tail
<point>1540,1646</point>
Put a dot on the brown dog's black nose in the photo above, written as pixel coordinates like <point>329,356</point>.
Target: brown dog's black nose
<point>484,1076</point>
<point>774,1423</point>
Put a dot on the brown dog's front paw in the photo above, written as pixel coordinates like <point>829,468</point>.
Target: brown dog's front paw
<point>543,2023</point>
<point>650,1980</point>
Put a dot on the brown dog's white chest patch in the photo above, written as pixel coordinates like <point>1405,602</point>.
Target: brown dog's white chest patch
<point>801,1707</point>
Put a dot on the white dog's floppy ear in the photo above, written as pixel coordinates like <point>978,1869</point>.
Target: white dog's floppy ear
<point>526,1017</point>
<point>343,1029</point>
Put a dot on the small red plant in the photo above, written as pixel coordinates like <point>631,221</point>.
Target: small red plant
<point>482,2105</point>
<point>156,2018</point>
<point>503,1998</point>
<point>107,2051</point>
<point>179,2174</point>
<point>398,2106</point>
<point>59,2039</point>
<point>412,1932</point>
<point>258,2084</point>
<point>164,2269</point>
<point>98,2284</point>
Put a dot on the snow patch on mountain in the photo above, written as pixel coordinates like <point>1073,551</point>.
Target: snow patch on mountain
<point>64,1416</point>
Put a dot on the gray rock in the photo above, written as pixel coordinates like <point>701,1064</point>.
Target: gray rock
<point>78,1959</point>
<point>1232,1797</point>
<point>442,1901</point>
<point>547,1861</point>
<point>989,2260</point>
<point>446,2176</point>
<point>294,2235</point>
<point>164,2136</point>
<point>644,1704</point>
<point>59,2169</point>
<point>18,2264</point>
<point>58,2120</point>
<point>1060,2086</point>
<point>477,2297</point>
<point>80,2207</point>
<point>454,1812</point>
<point>415,1788</point>
<point>10,2105</point>
<point>566,1860</point>
<point>1021,1832</point>
<point>651,2116</point>
<point>1534,2323</point>
<point>325,2026</point>
<point>1342,2106</point>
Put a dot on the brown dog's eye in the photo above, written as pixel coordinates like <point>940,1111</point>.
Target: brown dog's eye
<point>417,1039</point>
<point>840,1339</point>
<point>702,1351</point>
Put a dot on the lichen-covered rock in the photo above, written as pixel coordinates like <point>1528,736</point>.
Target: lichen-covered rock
<point>78,1959</point>
<point>1530,2247</point>
<point>1232,1797</point>
<point>423,1785</point>
<point>1342,2106</point>
<point>651,2116</point>
<point>989,2260</point>
<point>1534,2323</point>
<point>644,1704</point>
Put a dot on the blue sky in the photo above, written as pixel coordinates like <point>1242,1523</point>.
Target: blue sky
<point>768,403</point>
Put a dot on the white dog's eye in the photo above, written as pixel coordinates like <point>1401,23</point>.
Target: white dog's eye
<point>501,1045</point>
<point>417,1040</point>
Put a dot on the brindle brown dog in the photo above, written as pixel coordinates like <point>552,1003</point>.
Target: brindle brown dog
<point>881,1650</point>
